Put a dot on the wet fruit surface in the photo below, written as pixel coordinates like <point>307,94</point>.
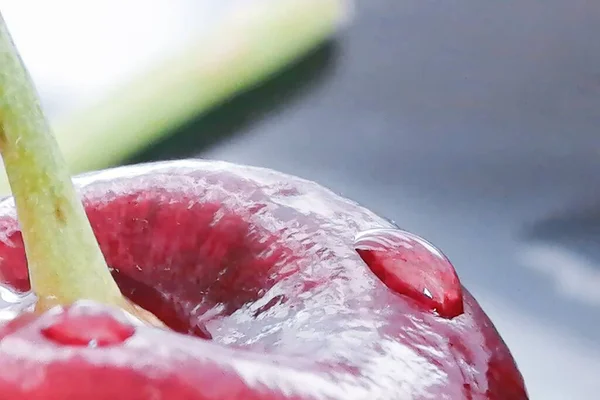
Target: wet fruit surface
<point>270,267</point>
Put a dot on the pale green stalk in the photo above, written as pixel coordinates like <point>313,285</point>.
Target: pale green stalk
<point>65,262</point>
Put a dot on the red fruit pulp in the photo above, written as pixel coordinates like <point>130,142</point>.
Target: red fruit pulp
<point>265,264</point>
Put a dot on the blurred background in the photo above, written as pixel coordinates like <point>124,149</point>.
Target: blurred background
<point>474,124</point>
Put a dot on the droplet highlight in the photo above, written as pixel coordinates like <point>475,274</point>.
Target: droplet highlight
<point>88,326</point>
<point>411,266</point>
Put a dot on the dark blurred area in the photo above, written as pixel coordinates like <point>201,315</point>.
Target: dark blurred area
<point>473,124</point>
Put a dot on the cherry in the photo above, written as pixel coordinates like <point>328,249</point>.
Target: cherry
<point>243,253</point>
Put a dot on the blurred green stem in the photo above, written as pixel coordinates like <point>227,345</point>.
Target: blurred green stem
<point>246,47</point>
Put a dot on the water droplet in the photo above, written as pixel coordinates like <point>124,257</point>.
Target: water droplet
<point>88,325</point>
<point>14,303</point>
<point>411,266</point>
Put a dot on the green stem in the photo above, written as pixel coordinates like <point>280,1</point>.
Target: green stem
<point>64,259</point>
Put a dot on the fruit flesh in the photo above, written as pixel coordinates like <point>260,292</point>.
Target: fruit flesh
<point>265,264</point>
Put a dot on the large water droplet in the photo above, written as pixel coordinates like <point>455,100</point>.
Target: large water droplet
<point>88,325</point>
<point>411,266</point>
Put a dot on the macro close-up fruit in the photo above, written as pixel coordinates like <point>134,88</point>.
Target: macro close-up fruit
<point>209,280</point>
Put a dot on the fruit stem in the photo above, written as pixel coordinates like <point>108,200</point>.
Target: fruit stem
<point>64,259</point>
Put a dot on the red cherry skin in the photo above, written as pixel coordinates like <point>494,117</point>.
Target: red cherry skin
<point>266,264</point>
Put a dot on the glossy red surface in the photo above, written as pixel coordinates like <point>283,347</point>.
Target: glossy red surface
<point>266,265</point>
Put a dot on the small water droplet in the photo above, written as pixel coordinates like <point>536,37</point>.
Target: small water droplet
<point>411,266</point>
<point>88,325</point>
<point>14,303</point>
